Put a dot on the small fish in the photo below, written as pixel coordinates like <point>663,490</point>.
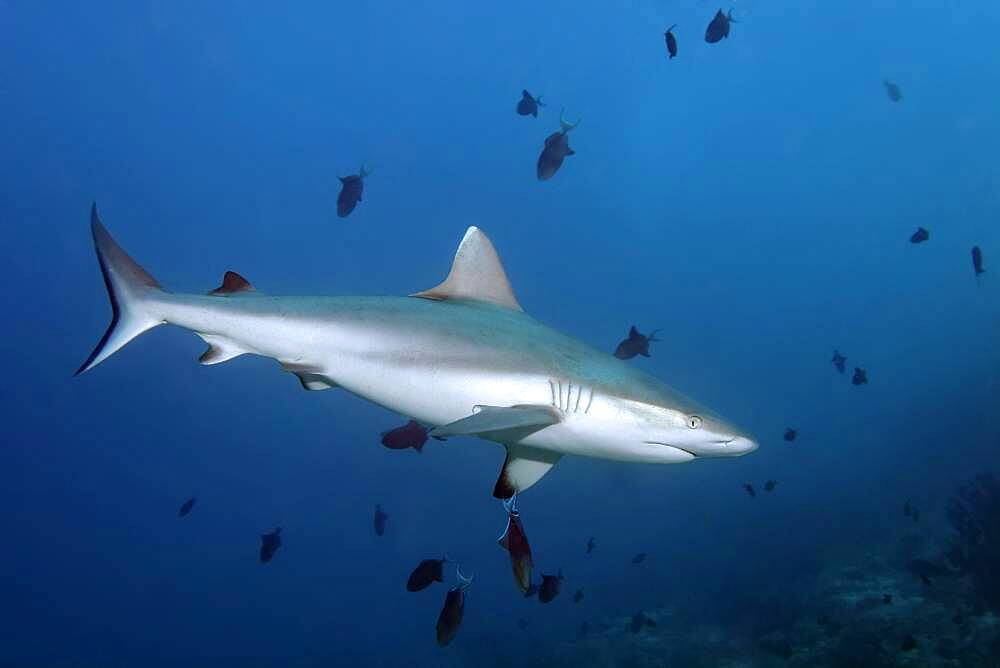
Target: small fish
<point>750,490</point>
<point>410,435</point>
<point>639,558</point>
<point>426,573</point>
<point>790,434</point>
<point>556,150</point>
<point>920,236</point>
<point>528,105</point>
<point>838,361</point>
<point>907,509</point>
<point>671,41</point>
<point>916,515</point>
<point>515,541</point>
<point>892,90</point>
<point>886,599</point>
<point>584,629</point>
<point>522,624</point>
<point>351,188</point>
<point>635,344</point>
<point>860,376</point>
<point>909,643</point>
<point>977,261</point>
<point>578,596</point>
<point>718,28</point>
<point>269,544</point>
<point>380,519</point>
<point>925,579</point>
<point>640,621</point>
<point>549,587</point>
<point>591,544</point>
<point>186,507</point>
<point>453,610</point>
<point>770,485</point>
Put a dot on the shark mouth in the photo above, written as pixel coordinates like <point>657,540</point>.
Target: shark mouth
<point>668,445</point>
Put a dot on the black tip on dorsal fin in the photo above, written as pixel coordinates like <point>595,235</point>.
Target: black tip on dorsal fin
<point>232,282</point>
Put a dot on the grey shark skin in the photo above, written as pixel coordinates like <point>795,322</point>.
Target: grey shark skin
<point>462,356</point>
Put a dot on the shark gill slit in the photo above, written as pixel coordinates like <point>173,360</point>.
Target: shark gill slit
<point>552,389</point>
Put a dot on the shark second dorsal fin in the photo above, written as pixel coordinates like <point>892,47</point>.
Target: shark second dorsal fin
<point>476,274</point>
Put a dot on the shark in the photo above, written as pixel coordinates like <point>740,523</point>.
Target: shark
<point>462,357</point>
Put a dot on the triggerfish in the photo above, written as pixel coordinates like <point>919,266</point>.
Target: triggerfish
<point>454,608</point>
<point>515,541</point>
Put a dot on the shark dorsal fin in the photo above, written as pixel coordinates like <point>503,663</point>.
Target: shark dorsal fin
<point>476,274</point>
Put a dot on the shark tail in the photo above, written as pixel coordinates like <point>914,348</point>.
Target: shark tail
<point>129,289</point>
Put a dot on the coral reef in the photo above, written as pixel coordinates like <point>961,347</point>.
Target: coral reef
<point>974,515</point>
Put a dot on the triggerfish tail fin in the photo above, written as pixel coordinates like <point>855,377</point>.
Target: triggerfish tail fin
<point>129,289</point>
<point>463,582</point>
<point>565,125</point>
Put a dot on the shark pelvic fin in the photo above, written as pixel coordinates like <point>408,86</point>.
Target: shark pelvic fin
<point>523,467</point>
<point>309,376</point>
<point>231,284</point>
<point>476,274</point>
<point>501,424</point>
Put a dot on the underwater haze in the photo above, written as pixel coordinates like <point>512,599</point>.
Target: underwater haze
<point>752,199</point>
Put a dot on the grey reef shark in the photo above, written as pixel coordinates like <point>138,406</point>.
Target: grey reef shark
<point>463,357</point>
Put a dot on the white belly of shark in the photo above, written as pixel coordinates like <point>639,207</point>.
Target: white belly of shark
<point>462,357</point>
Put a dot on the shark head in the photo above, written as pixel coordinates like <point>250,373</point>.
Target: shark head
<point>666,427</point>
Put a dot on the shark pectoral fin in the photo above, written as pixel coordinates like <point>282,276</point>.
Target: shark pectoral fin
<point>523,467</point>
<point>498,423</point>
<point>476,274</point>
<point>219,350</point>
<point>309,376</point>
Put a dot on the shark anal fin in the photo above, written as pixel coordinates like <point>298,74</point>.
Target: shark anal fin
<point>219,350</point>
<point>476,274</point>
<point>232,283</point>
<point>523,467</point>
<point>309,376</point>
<point>499,423</point>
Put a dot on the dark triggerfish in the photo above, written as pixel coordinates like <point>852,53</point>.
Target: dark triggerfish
<point>350,191</point>
<point>920,236</point>
<point>269,544</point>
<point>671,41</point>
<point>635,344</point>
<point>860,376</point>
<point>379,520</point>
<point>550,586</point>
<point>892,90</point>
<point>186,507</point>
<point>719,27</point>
<point>425,574</point>
<point>515,542</point>
<point>528,105</point>
<point>454,608</point>
<point>838,361</point>
<point>977,261</point>
<point>556,149</point>
<point>411,435</point>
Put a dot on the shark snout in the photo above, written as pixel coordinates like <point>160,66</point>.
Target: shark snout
<point>739,445</point>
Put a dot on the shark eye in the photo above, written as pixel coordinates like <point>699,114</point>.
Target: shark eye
<point>694,422</point>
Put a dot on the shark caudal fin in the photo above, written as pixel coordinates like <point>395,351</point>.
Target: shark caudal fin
<point>129,287</point>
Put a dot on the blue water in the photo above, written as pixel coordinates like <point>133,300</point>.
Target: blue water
<point>752,198</point>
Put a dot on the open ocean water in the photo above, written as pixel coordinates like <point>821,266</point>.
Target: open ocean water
<point>812,185</point>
